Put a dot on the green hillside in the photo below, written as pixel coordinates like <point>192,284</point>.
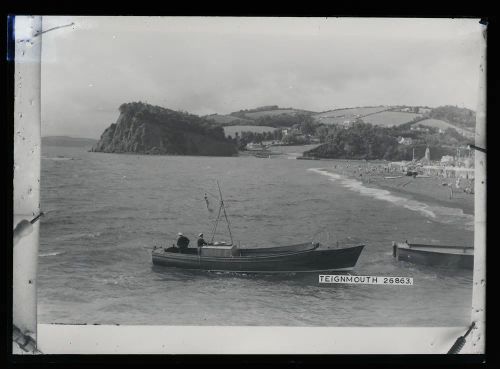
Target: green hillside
<point>347,113</point>
<point>390,118</point>
<point>441,124</point>
<point>370,142</point>
<point>225,120</point>
<point>459,117</point>
<point>268,111</point>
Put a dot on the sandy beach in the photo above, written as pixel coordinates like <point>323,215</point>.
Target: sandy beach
<point>438,190</point>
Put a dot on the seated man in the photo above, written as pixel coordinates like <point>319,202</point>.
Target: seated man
<point>182,242</point>
<point>201,241</point>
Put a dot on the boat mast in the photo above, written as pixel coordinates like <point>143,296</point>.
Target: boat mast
<point>215,225</point>
<point>223,208</point>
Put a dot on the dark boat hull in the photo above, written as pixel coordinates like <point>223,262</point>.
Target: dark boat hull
<point>293,262</point>
<point>433,258</point>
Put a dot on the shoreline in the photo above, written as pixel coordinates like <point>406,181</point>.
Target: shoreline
<point>429,190</point>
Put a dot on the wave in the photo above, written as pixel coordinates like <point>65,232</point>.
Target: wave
<point>76,236</point>
<point>46,254</point>
<point>56,158</point>
<point>440,214</point>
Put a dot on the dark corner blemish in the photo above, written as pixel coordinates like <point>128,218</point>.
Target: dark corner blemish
<point>484,21</point>
<point>11,20</point>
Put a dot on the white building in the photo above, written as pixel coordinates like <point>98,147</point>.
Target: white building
<point>405,140</point>
<point>447,159</point>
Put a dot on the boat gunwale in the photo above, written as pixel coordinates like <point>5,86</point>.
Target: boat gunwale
<point>436,249</point>
<point>246,258</point>
<point>414,245</point>
<point>436,252</point>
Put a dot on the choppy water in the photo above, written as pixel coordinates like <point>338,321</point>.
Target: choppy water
<point>105,210</point>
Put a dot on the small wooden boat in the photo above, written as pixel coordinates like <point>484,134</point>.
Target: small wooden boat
<point>435,255</point>
<point>281,259</point>
<point>303,257</point>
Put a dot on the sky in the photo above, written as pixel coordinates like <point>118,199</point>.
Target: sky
<point>207,65</point>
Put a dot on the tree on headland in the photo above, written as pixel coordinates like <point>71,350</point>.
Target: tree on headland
<point>366,141</point>
<point>149,129</point>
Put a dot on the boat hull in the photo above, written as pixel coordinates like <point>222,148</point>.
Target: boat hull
<point>292,262</point>
<point>432,257</point>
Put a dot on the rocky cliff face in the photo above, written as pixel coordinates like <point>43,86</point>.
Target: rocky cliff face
<point>147,129</point>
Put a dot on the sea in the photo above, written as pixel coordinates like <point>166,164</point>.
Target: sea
<point>105,212</point>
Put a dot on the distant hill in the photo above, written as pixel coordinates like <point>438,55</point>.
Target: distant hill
<point>68,141</point>
<point>390,118</point>
<point>258,116</point>
<point>377,115</point>
<point>147,129</point>
<point>441,124</point>
<point>383,115</point>
<point>339,116</point>
<point>228,120</point>
<point>270,111</point>
<point>460,117</point>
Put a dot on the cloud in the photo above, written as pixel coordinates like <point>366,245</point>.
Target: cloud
<point>209,65</point>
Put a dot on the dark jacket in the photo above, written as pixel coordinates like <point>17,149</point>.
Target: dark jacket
<point>201,242</point>
<point>182,242</point>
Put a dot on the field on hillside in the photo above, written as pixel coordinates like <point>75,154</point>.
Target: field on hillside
<point>225,119</point>
<point>258,114</point>
<point>350,112</point>
<point>231,130</point>
<point>390,118</point>
<point>332,120</point>
<point>436,123</point>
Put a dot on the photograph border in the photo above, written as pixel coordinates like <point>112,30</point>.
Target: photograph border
<point>472,358</point>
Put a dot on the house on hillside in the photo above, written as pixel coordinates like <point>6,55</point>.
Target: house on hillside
<point>419,128</point>
<point>290,131</point>
<point>347,123</point>
<point>405,140</point>
<point>424,110</point>
<point>447,159</point>
<point>252,146</point>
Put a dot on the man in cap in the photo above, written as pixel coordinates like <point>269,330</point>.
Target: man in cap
<point>201,241</point>
<point>182,242</point>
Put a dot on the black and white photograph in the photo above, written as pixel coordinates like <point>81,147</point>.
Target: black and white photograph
<point>257,171</point>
